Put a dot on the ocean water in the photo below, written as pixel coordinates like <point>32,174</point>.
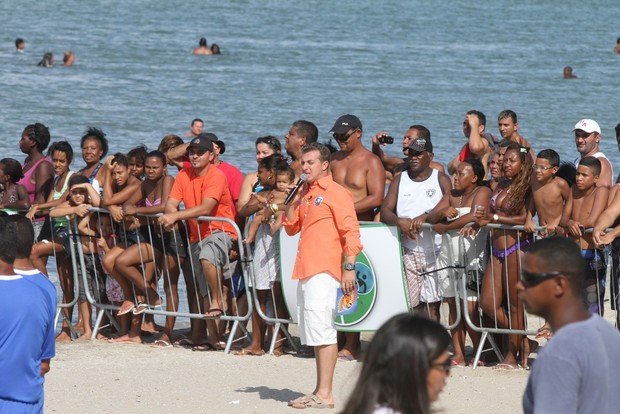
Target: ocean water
<point>392,63</point>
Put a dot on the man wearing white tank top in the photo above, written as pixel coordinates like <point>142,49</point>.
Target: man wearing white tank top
<point>410,197</point>
<point>587,139</point>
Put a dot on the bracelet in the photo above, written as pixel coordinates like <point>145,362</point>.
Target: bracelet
<point>274,208</point>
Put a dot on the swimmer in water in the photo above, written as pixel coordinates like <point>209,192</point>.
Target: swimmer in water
<point>20,44</point>
<point>47,61</point>
<point>202,48</point>
<point>215,49</point>
<point>568,73</point>
<point>68,59</point>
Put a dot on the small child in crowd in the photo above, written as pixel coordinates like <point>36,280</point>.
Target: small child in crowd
<point>549,193</point>
<point>13,196</point>
<point>82,196</point>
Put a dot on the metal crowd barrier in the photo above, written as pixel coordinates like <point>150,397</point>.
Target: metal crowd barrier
<point>101,303</point>
<point>279,322</point>
<point>464,272</point>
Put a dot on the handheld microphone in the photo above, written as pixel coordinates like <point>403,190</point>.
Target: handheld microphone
<point>300,182</point>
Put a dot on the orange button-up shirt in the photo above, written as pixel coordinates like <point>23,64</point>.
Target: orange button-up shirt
<point>326,219</point>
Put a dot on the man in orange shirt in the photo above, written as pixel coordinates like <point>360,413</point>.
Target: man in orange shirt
<point>324,213</point>
<point>204,191</point>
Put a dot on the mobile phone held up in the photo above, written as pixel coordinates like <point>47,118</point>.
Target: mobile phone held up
<point>386,139</point>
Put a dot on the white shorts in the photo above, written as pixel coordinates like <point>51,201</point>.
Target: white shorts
<point>316,309</point>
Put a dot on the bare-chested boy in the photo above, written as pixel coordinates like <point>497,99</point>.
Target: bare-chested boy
<point>585,204</point>
<point>549,193</point>
<point>360,171</point>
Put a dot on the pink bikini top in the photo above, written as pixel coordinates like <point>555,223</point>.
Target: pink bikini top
<point>147,202</point>
<point>26,181</point>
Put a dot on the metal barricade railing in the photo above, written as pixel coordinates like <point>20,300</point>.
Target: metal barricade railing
<point>278,321</point>
<point>235,318</point>
<point>458,264</point>
<point>51,237</point>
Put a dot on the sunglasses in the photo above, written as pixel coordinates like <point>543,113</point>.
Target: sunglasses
<point>344,137</point>
<point>533,279</point>
<point>445,366</point>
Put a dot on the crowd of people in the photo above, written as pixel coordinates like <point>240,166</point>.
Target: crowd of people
<point>143,234</point>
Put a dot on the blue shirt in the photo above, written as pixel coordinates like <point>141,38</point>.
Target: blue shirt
<point>39,279</point>
<point>24,324</point>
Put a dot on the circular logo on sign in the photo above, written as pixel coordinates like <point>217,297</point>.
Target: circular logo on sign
<point>366,292</point>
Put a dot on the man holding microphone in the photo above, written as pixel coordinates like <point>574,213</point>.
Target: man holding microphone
<point>324,213</point>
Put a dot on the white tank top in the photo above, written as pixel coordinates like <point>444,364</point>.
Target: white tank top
<point>414,198</point>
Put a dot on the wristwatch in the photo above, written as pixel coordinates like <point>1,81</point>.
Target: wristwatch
<point>495,218</point>
<point>349,266</point>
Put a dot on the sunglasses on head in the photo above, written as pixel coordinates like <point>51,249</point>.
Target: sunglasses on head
<point>533,279</point>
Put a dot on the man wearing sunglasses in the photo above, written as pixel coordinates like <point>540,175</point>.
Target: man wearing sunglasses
<point>410,198</point>
<point>360,171</point>
<point>577,371</point>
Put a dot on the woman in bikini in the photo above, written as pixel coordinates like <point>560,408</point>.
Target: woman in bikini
<point>165,249</point>
<point>119,187</point>
<point>508,206</point>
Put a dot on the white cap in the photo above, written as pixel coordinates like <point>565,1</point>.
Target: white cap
<point>588,125</point>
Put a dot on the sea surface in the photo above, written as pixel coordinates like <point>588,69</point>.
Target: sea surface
<point>392,63</point>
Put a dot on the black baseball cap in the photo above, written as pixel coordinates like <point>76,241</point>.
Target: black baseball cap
<point>345,123</point>
<point>203,141</point>
<point>219,144</point>
<point>421,145</point>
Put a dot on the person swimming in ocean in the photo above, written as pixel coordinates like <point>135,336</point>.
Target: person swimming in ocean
<point>68,58</point>
<point>47,61</point>
<point>202,48</point>
<point>20,44</point>
<point>568,73</point>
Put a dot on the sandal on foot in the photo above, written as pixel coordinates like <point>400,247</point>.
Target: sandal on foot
<point>214,313</point>
<point>125,311</point>
<point>247,351</point>
<point>184,343</point>
<point>310,401</point>
<point>345,357</point>
<point>140,308</point>
<point>160,343</point>
<point>506,367</point>
<point>204,347</point>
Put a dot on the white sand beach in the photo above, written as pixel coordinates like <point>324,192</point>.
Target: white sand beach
<point>101,377</point>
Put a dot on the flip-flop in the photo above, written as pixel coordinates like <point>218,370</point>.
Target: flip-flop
<point>344,357</point>
<point>184,343</point>
<point>204,347</point>
<point>140,308</point>
<point>218,312</point>
<point>506,367</point>
<point>246,351</point>
<point>310,401</point>
<point>125,311</point>
<point>160,343</point>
